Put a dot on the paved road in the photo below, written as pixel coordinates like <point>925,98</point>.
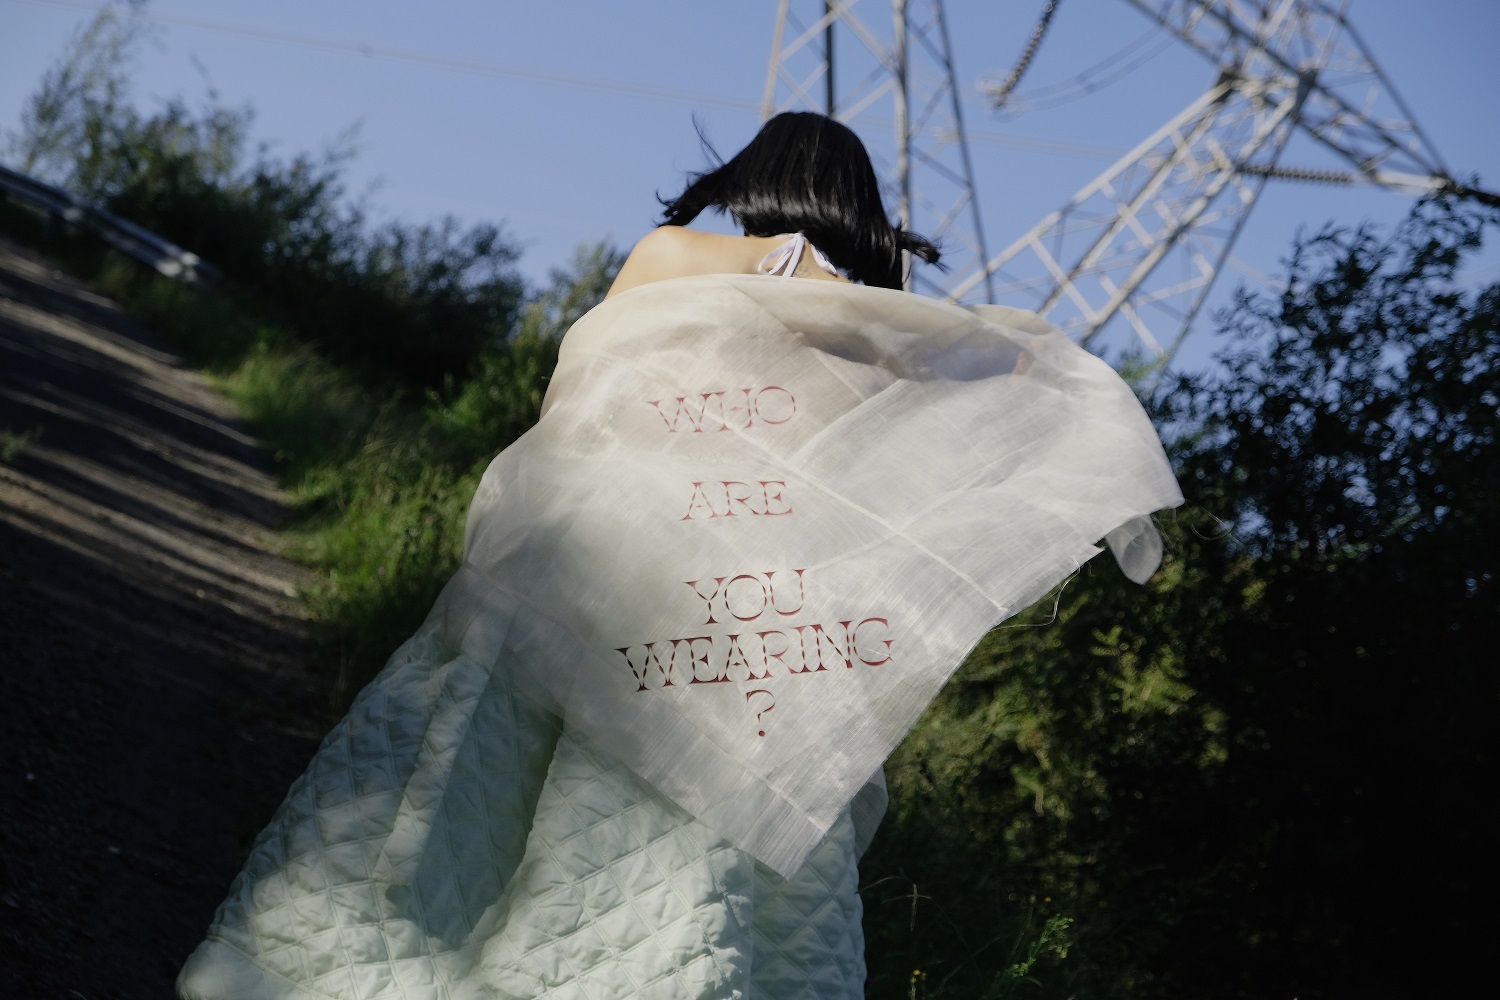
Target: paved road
<point>154,703</point>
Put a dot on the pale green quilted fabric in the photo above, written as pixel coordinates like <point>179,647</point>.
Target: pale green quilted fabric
<point>448,842</point>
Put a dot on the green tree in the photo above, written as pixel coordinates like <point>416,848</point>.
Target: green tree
<point>502,397</point>
<point>1255,776</point>
<point>415,473</point>
<point>407,305</point>
<point>1352,436</point>
<point>80,97</point>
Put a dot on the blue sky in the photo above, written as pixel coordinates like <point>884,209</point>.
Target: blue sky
<point>564,119</point>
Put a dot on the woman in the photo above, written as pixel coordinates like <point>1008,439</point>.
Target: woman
<point>635,749</point>
<point>803,173</point>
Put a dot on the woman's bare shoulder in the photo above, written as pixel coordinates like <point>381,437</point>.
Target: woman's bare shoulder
<point>676,248</point>
<point>674,252</point>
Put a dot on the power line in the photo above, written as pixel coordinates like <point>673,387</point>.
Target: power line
<point>691,98</point>
<point>1085,84</point>
<point>1049,89</point>
<point>1000,94</point>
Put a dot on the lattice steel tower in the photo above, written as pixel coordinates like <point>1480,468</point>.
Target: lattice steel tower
<point>1145,239</point>
<point>838,58</point>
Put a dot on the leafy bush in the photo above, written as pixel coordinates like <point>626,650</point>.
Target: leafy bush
<point>386,521</point>
<point>1254,776</point>
<point>402,305</point>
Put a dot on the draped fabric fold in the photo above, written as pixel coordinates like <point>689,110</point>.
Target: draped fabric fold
<point>762,521</point>
<point>759,524</point>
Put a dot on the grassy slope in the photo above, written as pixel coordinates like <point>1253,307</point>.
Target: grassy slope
<point>380,486</point>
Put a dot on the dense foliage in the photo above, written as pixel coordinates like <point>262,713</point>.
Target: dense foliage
<point>400,304</point>
<point>1256,776</point>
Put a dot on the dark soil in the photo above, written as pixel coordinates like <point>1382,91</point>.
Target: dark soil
<point>154,697</point>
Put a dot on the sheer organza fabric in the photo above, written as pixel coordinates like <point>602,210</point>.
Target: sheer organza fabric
<point>762,520</point>
<point>635,749</point>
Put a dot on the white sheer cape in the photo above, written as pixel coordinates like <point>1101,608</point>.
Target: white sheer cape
<point>762,521</point>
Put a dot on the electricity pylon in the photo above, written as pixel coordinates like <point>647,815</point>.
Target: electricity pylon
<point>833,56</point>
<point>1146,238</point>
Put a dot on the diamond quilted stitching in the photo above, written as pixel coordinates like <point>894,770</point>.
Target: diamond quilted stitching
<point>404,941</point>
<point>636,920</point>
<point>344,862</point>
<point>417,978</point>
<point>343,982</point>
<point>356,904</point>
<point>288,962</point>
<point>342,822</point>
<point>618,892</point>
<point>808,928</point>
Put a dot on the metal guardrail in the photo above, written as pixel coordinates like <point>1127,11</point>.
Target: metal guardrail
<point>166,257</point>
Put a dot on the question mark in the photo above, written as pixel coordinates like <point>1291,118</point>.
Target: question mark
<point>749,694</point>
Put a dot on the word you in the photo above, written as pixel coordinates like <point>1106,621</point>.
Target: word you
<point>726,409</point>
<point>762,645</point>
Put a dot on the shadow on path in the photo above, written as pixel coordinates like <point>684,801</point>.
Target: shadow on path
<point>153,694</point>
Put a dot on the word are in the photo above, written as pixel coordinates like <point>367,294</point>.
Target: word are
<point>727,409</point>
<point>759,655</point>
<point>728,498</point>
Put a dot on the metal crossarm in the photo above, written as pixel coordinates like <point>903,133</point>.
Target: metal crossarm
<point>1147,237</point>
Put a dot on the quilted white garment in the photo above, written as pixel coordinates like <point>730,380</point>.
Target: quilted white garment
<point>610,892</point>
<point>759,524</point>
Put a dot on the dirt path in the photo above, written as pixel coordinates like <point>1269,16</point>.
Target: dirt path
<point>153,700</point>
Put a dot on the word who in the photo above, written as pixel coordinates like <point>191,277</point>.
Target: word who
<point>726,409</point>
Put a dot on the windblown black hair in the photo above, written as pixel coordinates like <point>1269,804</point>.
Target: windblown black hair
<point>804,172</point>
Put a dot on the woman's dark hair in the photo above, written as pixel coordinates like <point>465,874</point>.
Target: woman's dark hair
<point>805,172</point>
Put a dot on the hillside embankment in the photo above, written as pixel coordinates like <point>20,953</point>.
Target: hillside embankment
<point>154,693</point>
